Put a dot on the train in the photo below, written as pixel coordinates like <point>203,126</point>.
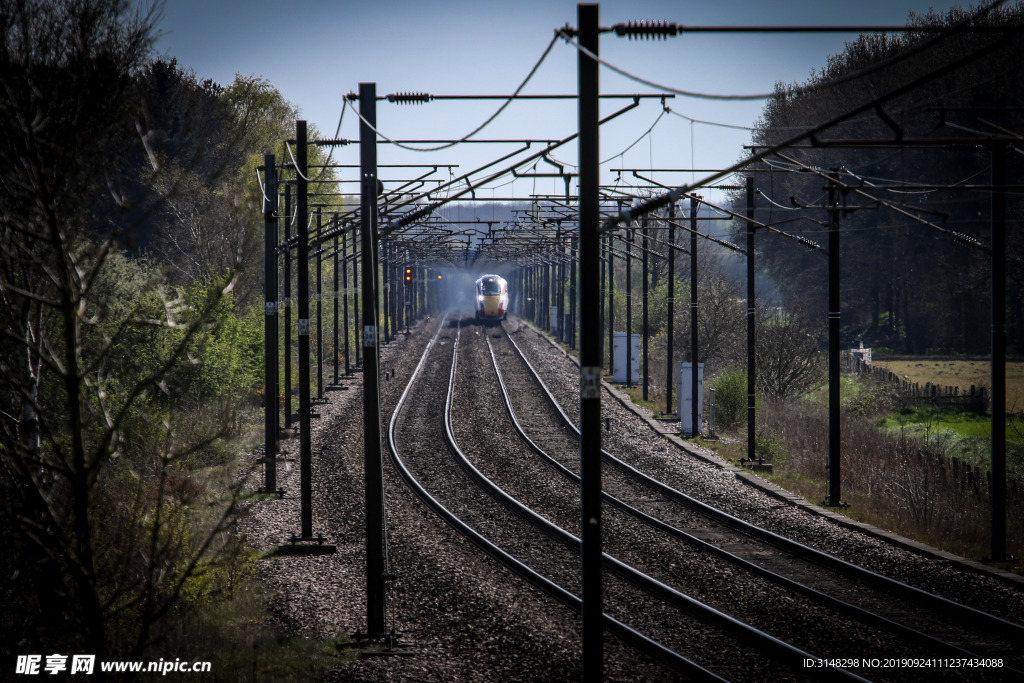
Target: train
<point>491,297</point>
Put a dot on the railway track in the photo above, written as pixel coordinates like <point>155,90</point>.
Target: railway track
<point>419,448</point>
<point>930,626</point>
<point>494,521</point>
<point>519,508</point>
<point>463,613</point>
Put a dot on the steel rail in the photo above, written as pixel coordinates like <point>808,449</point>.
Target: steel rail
<point>948,607</point>
<point>629,635</point>
<point>866,616</point>
<point>773,647</point>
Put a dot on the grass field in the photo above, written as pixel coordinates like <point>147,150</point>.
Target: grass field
<point>959,373</point>
<point>896,465</point>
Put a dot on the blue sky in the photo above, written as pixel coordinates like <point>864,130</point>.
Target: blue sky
<point>316,51</point>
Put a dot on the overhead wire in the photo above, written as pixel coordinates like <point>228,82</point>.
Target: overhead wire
<point>707,123</point>
<point>560,162</point>
<point>635,142</point>
<point>295,163</point>
<point>263,189</point>
<point>674,194</point>
<point>337,132</point>
<point>479,128</point>
<point>639,79</point>
<point>867,180</point>
<point>790,91</point>
<point>958,236</point>
<point>776,204</point>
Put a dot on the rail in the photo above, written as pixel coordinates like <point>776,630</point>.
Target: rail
<point>637,640</point>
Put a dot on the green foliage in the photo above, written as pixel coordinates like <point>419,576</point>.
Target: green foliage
<point>769,445</point>
<point>216,580</point>
<point>962,435</point>
<point>904,286</point>
<point>865,396</point>
<point>903,482</point>
<point>116,379</point>
<point>730,397</point>
<point>226,362</point>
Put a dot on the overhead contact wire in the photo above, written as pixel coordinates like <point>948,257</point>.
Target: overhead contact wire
<point>635,142</point>
<point>802,90</point>
<point>483,125</point>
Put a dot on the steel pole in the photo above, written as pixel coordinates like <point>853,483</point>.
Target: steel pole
<point>337,302</point>
<point>670,327</point>
<point>834,446</point>
<point>751,338</point>
<point>287,306</point>
<point>305,438</point>
<point>344,303</point>
<point>574,297</point>
<point>356,318</point>
<point>611,304</point>
<point>371,389</point>
<point>270,388</point>
<point>694,349</point>
<point>604,282</point>
<point>645,268</point>
<point>319,307</point>
<point>385,269</point>
<point>590,347</point>
<point>629,307</point>
<point>999,354</point>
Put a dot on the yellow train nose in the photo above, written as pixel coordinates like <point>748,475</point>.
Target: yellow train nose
<point>492,305</point>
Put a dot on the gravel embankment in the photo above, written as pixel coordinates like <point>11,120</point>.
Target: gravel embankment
<point>458,615</point>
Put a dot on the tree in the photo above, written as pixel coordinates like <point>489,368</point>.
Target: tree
<point>101,540</point>
<point>789,353</point>
<point>904,284</point>
<point>203,229</point>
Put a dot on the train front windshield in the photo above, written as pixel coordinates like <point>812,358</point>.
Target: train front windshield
<point>490,288</point>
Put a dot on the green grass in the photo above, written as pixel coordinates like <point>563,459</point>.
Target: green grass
<point>849,388</point>
<point>968,434</point>
<point>636,395</point>
<point>965,424</point>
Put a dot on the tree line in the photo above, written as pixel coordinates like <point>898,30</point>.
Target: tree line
<point>132,321</point>
<point>924,163</point>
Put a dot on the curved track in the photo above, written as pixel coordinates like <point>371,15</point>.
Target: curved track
<point>526,572</point>
<point>947,628</point>
<point>504,495</point>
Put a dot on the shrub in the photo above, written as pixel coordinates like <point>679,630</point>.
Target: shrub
<point>911,481</point>
<point>769,446</point>
<point>871,397</point>
<point>730,397</point>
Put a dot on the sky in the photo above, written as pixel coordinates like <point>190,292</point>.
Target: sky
<point>316,51</point>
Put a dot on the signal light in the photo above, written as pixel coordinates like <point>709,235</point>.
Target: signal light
<point>440,277</point>
<point>408,274</point>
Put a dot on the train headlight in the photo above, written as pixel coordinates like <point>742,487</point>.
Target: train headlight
<point>479,297</point>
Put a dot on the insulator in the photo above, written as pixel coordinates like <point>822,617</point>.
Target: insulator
<point>410,97</point>
<point>808,243</point>
<point>657,29</point>
<point>966,239</point>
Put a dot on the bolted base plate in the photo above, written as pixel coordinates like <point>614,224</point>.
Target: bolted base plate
<point>298,545</point>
